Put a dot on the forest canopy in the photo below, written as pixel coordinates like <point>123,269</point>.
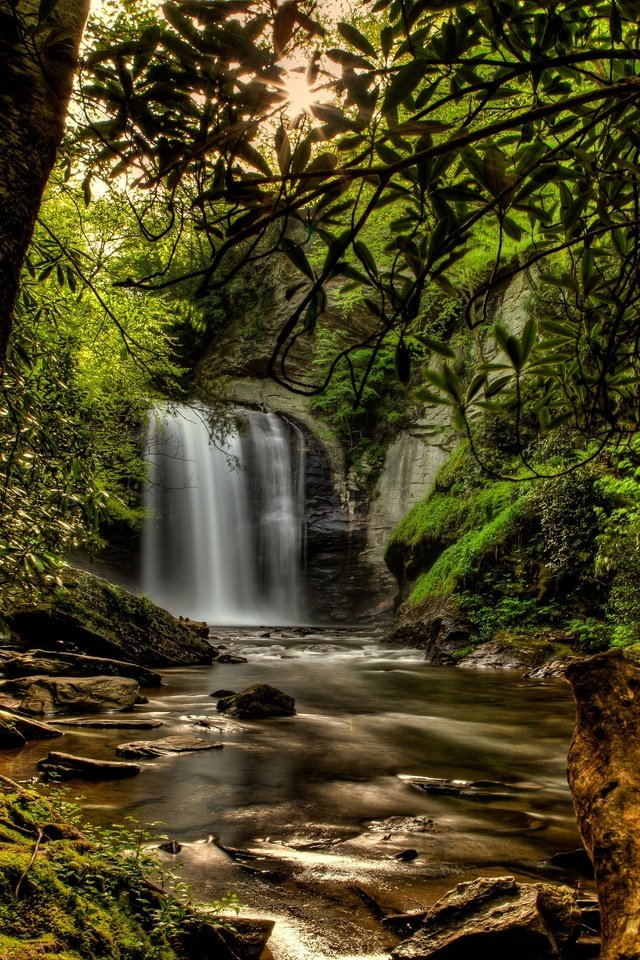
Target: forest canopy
<point>439,128</point>
<point>408,152</point>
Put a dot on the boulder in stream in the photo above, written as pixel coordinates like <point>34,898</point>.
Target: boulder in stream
<point>469,789</point>
<point>93,616</point>
<point>259,702</point>
<point>75,694</point>
<point>499,918</point>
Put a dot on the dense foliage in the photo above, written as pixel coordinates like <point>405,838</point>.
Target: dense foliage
<point>520,116</point>
<point>442,148</point>
<point>552,559</point>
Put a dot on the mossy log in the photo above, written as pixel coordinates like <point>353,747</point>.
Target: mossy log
<point>604,776</point>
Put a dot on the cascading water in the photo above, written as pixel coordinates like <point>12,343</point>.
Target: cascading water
<point>223,539</point>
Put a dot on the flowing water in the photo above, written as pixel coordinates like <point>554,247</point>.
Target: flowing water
<point>224,535</point>
<point>303,816</point>
<point>309,818</point>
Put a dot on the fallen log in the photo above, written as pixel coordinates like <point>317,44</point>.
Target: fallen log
<point>604,777</point>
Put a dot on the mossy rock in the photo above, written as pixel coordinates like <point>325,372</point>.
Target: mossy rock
<point>96,617</point>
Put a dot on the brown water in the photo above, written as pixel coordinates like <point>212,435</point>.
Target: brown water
<point>303,797</point>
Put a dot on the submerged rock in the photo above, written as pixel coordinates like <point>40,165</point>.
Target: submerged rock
<point>73,694</point>
<point>164,747</point>
<point>96,617</point>
<point>170,846</point>
<point>499,918</point>
<point>404,825</point>
<point>471,789</point>
<point>66,766</point>
<point>259,702</point>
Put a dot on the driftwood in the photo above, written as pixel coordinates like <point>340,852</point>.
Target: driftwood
<point>604,776</point>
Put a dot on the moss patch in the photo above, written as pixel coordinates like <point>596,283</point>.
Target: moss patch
<point>66,896</point>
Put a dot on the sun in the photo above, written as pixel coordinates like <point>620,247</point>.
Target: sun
<point>299,95</point>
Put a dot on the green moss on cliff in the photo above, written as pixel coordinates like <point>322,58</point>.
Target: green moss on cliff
<point>521,559</point>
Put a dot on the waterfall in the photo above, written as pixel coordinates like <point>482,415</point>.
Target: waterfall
<point>223,538</point>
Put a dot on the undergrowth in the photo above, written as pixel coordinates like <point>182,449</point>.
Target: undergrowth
<point>72,891</point>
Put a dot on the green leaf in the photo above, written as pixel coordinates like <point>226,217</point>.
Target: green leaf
<point>298,257</point>
<point>512,229</point>
<point>529,336</point>
<point>386,40</point>
<point>283,24</point>
<point>402,85</point>
<point>366,257</point>
<point>476,386</point>
<point>436,346</point>
<point>45,9</point>
<point>353,36</point>
<point>283,149</point>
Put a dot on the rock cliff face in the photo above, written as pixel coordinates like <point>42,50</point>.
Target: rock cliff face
<point>409,470</point>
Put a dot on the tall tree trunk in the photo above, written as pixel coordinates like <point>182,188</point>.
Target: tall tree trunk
<point>36,76</point>
<point>604,776</point>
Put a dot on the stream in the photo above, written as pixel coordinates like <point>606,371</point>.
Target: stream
<point>304,817</point>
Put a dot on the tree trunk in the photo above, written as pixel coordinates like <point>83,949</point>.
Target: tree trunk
<point>604,776</point>
<point>36,76</point>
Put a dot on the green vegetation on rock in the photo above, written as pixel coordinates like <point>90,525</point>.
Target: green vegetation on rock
<point>554,559</point>
<point>78,894</point>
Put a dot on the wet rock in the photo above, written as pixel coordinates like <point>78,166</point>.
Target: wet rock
<point>499,918</point>
<point>259,702</point>
<point>554,668</point>
<point>405,856</point>
<point>10,737</point>
<point>497,655</point>
<point>436,627</point>
<point>61,664</point>
<point>164,747</point>
<point>403,924</point>
<point>322,648</point>
<point>29,729</point>
<point>66,766</point>
<point>226,938</point>
<point>113,723</point>
<point>75,694</point>
<point>469,789</point>
<point>171,846</point>
<point>199,627</point>
<point>403,825</point>
<point>96,617</point>
<point>223,693</point>
<point>230,658</point>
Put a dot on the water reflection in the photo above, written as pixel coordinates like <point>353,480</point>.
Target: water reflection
<point>300,793</point>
